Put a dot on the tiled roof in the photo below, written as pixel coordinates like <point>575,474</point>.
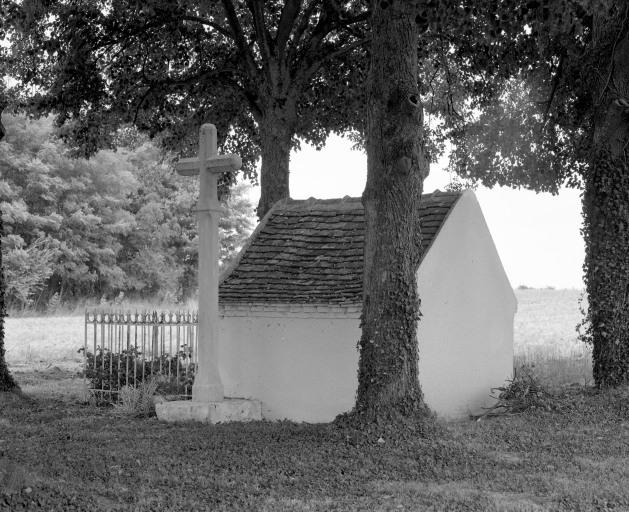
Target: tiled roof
<point>311,251</point>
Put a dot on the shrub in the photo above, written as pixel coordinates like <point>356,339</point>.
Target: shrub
<point>137,401</point>
<point>110,372</point>
<point>521,394</point>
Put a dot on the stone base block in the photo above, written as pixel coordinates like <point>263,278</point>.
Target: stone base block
<point>225,411</point>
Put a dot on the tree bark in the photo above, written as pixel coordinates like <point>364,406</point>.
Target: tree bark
<point>7,383</point>
<point>3,105</point>
<point>277,127</point>
<point>388,385</point>
<point>606,209</point>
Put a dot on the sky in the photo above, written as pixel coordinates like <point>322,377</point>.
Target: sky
<point>537,235</point>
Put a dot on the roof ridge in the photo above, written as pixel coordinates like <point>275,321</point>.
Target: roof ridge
<point>311,201</point>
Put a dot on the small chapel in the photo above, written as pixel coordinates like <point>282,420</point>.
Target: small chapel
<point>290,304</point>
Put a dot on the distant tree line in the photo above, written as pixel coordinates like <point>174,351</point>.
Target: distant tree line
<point>119,224</point>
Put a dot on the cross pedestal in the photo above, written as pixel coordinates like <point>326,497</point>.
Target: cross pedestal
<point>208,402</point>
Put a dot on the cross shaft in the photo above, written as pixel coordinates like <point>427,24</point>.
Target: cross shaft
<point>208,386</point>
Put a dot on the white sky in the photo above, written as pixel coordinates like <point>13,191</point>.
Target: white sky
<point>537,235</point>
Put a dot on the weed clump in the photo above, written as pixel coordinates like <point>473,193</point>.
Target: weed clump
<point>137,401</point>
<point>523,393</point>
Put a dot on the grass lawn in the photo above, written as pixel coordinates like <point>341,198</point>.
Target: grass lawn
<point>56,454</point>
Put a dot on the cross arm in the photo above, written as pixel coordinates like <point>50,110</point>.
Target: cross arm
<point>214,164</point>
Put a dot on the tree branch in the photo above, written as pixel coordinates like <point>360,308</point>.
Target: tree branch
<point>225,74</point>
<point>316,64</point>
<point>553,91</point>
<point>215,26</point>
<point>363,16</point>
<point>265,42</point>
<point>302,26</point>
<point>287,20</point>
<point>321,29</point>
<point>208,73</point>
<point>611,59</point>
<point>330,19</point>
<point>126,36</point>
<point>234,23</point>
<point>345,49</point>
<point>344,22</point>
<point>146,94</point>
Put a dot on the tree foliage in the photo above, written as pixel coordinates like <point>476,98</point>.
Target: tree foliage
<point>121,221</point>
<point>563,120</point>
<point>533,133</point>
<point>266,73</point>
<point>263,72</point>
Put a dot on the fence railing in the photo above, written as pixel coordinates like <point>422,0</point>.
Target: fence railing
<point>125,349</point>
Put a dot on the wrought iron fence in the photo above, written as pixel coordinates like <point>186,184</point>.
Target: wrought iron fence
<point>125,349</point>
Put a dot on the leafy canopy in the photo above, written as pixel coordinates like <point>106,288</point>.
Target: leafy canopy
<point>538,131</point>
<point>168,66</point>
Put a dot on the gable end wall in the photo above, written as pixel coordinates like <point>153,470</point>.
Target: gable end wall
<point>465,334</point>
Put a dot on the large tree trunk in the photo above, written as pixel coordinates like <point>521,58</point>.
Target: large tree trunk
<point>277,127</point>
<point>388,385</point>
<point>6,380</point>
<point>606,210</point>
<point>3,105</point>
<point>7,383</point>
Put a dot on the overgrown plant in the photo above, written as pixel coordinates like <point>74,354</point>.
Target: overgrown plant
<point>606,234</point>
<point>111,372</point>
<point>523,393</point>
<point>138,401</point>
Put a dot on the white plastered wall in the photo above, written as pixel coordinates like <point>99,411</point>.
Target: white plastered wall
<point>466,331</point>
<point>301,364</point>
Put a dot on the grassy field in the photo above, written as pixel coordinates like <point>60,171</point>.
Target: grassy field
<point>545,336</point>
<point>570,452</point>
<point>546,320</point>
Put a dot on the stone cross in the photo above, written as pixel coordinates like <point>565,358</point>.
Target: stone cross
<point>207,381</point>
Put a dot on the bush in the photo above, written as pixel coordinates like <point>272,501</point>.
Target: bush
<point>137,401</point>
<point>111,372</point>
<point>521,394</point>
